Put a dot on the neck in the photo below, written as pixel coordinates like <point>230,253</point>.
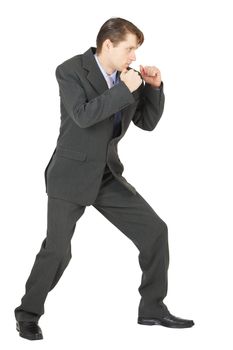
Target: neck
<point>105,64</point>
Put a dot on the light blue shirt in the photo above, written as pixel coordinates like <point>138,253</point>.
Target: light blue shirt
<point>105,74</point>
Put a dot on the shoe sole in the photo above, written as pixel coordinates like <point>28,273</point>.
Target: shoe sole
<point>158,323</point>
<point>36,337</point>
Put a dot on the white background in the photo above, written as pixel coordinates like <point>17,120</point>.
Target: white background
<point>183,169</point>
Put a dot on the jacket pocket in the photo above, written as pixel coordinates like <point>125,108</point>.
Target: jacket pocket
<point>71,154</point>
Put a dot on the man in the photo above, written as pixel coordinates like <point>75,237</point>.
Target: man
<point>100,95</point>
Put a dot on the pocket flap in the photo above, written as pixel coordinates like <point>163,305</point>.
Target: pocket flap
<point>68,153</point>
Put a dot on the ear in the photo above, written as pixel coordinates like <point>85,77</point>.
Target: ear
<point>108,44</point>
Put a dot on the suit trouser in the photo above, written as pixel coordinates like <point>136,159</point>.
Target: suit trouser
<point>132,215</point>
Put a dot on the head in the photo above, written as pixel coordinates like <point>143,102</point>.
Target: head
<point>117,41</point>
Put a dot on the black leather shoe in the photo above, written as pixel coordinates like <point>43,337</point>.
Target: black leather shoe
<point>166,321</point>
<point>29,330</point>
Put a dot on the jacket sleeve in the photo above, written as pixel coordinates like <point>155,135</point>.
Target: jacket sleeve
<point>150,107</point>
<point>87,113</point>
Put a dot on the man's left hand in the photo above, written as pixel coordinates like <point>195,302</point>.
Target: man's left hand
<point>151,75</point>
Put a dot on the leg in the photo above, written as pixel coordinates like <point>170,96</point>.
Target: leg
<point>52,259</point>
<point>138,221</point>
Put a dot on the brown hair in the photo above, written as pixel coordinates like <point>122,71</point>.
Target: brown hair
<point>116,29</point>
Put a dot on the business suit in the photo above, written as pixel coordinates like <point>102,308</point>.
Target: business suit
<point>85,169</point>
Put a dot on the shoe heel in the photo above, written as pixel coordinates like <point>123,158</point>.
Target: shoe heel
<point>148,322</point>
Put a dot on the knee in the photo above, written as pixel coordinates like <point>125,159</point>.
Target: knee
<point>160,231</point>
<point>163,228</point>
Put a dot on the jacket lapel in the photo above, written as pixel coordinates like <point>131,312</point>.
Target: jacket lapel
<point>94,75</point>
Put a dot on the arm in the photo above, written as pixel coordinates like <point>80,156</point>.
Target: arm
<point>87,113</point>
<point>150,107</point>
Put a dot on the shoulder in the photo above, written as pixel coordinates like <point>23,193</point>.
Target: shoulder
<point>70,64</point>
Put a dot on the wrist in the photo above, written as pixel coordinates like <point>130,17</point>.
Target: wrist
<point>156,86</point>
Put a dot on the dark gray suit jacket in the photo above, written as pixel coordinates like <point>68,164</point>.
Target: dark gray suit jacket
<point>85,143</point>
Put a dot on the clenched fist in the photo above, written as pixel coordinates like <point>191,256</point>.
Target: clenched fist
<point>151,75</point>
<point>131,79</point>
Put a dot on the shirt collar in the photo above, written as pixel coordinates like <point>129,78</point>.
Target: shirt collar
<point>106,75</point>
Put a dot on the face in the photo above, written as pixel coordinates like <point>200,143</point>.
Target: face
<point>122,55</point>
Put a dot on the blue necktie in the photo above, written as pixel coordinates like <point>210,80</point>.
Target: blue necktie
<point>117,117</point>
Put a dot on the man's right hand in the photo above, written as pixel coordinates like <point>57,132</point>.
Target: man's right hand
<point>131,79</point>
